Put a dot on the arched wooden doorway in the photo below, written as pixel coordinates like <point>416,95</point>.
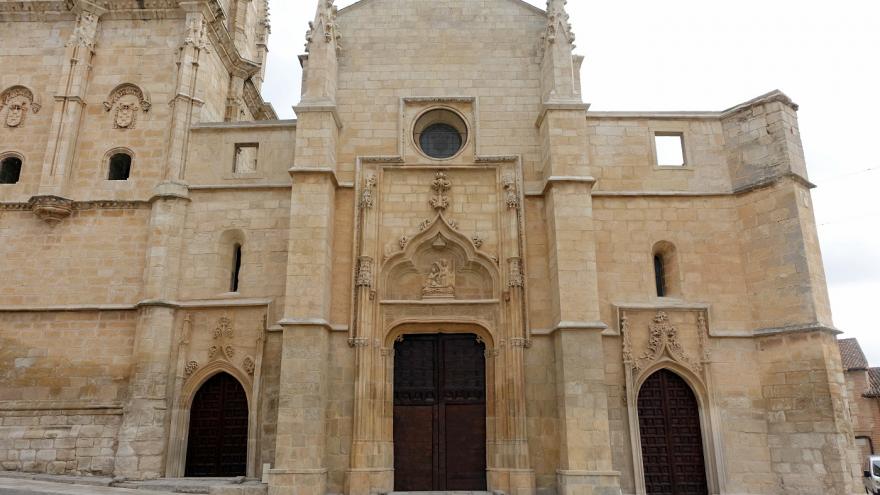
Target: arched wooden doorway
<point>218,429</point>
<point>672,442</point>
<point>439,413</point>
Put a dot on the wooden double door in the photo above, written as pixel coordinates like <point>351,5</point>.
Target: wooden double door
<point>439,413</point>
<point>218,429</point>
<point>672,441</point>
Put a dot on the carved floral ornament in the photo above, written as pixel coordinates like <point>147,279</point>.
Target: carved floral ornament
<point>221,347</point>
<point>663,341</point>
<point>17,100</point>
<point>125,102</point>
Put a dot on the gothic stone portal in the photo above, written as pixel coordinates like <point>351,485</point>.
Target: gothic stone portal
<point>439,413</point>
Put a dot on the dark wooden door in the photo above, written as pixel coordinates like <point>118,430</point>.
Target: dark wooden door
<point>672,442</point>
<point>439,413</point>
<point>218,429</point>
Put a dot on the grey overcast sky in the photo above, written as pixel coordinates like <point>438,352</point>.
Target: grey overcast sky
<point>711,55</point>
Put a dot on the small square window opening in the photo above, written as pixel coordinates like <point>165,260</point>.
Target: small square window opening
<point>245,158</point>
<point>670,150</point>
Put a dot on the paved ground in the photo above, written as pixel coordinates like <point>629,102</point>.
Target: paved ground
<point>13,486</point>
<point>29,484</point>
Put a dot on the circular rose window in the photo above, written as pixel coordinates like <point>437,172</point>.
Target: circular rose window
<point>440,134</point>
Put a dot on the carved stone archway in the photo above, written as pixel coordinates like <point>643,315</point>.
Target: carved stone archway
<point>227,353</point>
<point>687,353</point>
<point>435,278</point>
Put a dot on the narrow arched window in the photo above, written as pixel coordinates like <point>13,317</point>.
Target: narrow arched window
<point>119,167</point>
<point>236,268</point>
<point>10,170</point>
<point>660,275</point>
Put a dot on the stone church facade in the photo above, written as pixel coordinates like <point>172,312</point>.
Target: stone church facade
<point>446,274</point>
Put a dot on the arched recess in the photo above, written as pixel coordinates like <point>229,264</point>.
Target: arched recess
<point>665,254</point>
<point>230,244</point>
<point>709,431</point>
<point>181,415</point>
<point>218,429</point>
<point>475,275</point>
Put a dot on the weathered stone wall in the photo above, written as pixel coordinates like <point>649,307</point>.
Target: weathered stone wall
<point>73,263</point>
<point>63,377</point>
<point>622,154</point>
<point>542,414</point>
<point>31,54</point>
<point>136,52</point>
<point>447,48</point>
<point>809,426</point>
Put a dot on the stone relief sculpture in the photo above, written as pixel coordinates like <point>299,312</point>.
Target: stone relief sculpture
<point>126,101</point>
<point>440,280</point>
<point>441,186</point>
<point>17,100</point>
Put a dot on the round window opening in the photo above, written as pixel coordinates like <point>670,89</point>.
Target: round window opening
<point>440,134</point>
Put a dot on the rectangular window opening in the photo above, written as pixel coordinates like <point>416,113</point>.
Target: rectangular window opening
<point>670,149</point>
<point>236,268</point>
<point>10,170</point>
<point>246,158</point>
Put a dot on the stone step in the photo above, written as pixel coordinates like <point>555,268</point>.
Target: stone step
<point>12,483</point>
<point>441,493</point>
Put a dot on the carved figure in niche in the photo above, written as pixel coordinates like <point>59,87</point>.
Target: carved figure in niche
<point>440,281</point>
<point>127,100</point>
<point>18,100</point>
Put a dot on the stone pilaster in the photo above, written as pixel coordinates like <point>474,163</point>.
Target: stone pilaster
<point>142,435</point>
<point>300,456</point>
<point>70,101</point>
<point>185,106</point>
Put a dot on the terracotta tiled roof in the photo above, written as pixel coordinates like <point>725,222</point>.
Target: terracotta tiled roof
<point>851,354</point>
<point>873,383</point>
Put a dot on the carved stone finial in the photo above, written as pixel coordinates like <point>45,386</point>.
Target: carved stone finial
<point>325,20</point>
<point>558,23</point>
<point>511,196</point>
<point>441,186</point>
<point>367,200</point>
<point>223,334</point>
<point>85,32</point>
<point>51,209</point>
<point>664,339</point>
